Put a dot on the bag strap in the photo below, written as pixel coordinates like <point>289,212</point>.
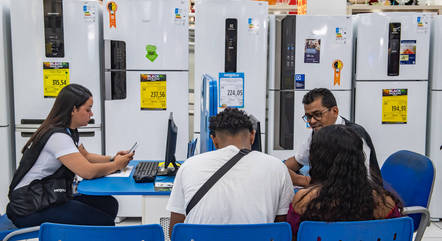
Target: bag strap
<point>214,178</point>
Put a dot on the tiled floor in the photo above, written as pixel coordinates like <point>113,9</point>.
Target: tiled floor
<point>433,232</point>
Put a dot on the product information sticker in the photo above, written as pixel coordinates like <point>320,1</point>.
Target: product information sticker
<point>394,106</point>
<point>300,81</point>
<point>231,90</point>
<point>55,78</point>
<point>408,52</point>
<point>312,51</point>
<point>341,35</point>
<point>153,92</point>
<point>253,25</point>
<point>422,24</point>
<point>179,16</point>
<point>89,12</point>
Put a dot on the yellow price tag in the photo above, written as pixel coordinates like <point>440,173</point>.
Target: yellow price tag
<point>153,92</point>
<point>55,78</point>
<point>394,106</point>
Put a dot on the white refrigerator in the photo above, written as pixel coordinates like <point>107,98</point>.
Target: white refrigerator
<point>305,52</point>
<point>434,131</point>
<point>231,46</point>
<point>54,43</point>
<point>392,60</point>
<point>146,79</point>
<point>6,137</point>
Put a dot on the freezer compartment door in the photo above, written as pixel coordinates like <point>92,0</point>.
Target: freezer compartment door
<point>380,34</point>
<point>89,137</point>
<point>394,115</point>
<point>323,52</point>
<point>302,129</point>
<point>128,120</point>
<point>155,32</point>
<point>6,170</point>
<point>78,37</point>
<point>435,152</point>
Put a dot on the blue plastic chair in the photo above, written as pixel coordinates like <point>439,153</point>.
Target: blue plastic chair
<point>397,229</point>
<point>255,232</point>
<point>8,228</point>
<point>411,176</point>
<point>65,232</point>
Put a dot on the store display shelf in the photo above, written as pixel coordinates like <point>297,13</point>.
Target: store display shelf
<point>282,8</point>
<point>363,8</point>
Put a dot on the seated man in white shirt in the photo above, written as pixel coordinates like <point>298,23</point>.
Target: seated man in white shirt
<point>321,110</point>
<point>257,189</point>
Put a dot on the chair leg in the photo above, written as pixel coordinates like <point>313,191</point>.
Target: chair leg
<point>425,221</point>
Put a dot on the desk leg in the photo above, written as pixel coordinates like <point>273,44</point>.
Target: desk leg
<point>154,208</point>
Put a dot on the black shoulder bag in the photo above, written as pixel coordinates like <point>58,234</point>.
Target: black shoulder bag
<point>214,178</point>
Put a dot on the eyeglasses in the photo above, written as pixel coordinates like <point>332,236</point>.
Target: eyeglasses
<point>317,115</point>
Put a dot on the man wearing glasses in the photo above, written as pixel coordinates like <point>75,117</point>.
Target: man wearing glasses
<point>320,111</point>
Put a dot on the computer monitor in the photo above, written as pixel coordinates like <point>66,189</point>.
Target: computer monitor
<point>256,146</point>
<point>172,131</point>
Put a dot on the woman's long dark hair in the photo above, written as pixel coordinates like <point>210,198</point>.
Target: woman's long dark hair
<point>71,96</point>
<point>338,169</point>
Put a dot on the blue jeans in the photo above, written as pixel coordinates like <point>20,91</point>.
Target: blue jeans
<point>81,210</point>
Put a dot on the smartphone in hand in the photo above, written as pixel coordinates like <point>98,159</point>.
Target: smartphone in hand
<point>132,149</point>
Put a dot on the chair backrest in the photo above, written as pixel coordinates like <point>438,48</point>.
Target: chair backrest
<point>256,232</point>
<point>397,229</point>
<point>64,232</point>
<point>191,146</point>
<point>411,176</point>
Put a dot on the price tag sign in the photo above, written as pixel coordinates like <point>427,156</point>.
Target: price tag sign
<point>394,106</point>
<point>55,78</point>
<point>153,92</point>
<point>231,90</point>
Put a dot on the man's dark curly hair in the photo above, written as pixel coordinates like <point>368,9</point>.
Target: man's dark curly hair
<point>231,120</point>
<point>328,99</point>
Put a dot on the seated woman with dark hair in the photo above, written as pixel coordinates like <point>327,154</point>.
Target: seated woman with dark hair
<point>340,189</point>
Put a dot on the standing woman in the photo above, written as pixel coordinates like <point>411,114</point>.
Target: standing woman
<point>41,189</point>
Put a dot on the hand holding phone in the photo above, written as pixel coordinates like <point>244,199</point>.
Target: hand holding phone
<point>132,149</point>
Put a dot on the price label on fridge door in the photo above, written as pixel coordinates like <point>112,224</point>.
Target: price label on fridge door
<point>394,106</point>
<point>153,92</point>
<point>55,78</point>
<point>231,90</point>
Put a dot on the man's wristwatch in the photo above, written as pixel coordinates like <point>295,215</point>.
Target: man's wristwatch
<point>112,159</point>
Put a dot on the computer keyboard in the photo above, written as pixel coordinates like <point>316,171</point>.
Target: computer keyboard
<point>145,172</point>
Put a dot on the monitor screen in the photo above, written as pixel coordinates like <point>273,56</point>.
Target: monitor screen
<point>172,131</point>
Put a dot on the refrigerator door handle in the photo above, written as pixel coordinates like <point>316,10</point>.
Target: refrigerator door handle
<point>86,133</point>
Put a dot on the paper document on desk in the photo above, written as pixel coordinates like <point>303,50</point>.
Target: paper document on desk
<point>125,172</point>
